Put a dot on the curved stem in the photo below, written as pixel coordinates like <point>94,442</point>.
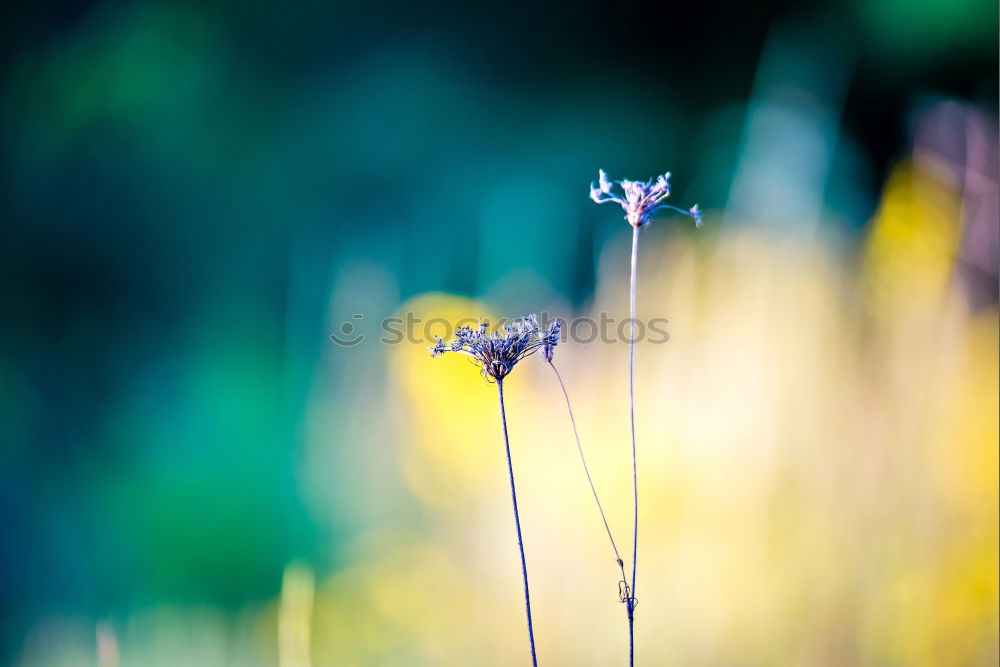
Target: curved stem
<point>517,524</point>
<point>586,469</point>
<point>630,603</point>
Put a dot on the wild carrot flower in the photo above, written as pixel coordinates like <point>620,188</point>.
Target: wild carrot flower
<point>497,354</point>
<point>640,200</point>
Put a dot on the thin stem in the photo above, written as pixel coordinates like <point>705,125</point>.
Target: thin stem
<point>517,524</point>
<point>586,469</point>
<point>630,603</point>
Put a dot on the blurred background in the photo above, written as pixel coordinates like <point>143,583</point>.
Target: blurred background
<point>195,196</point>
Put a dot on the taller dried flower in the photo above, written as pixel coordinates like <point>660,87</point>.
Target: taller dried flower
<point>641,200</point>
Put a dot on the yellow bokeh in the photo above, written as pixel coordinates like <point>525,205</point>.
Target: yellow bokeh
<point>818,473</point>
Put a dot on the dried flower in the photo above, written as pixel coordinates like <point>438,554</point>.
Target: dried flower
<point>547,352</point>
<point>695,213</point>
<point>641,200</point>
<point>498,352</point>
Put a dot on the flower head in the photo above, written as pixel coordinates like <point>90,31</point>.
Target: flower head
<point>640,199</point>
<point>695,213</point>
<point>498,352</point>
<point>547,351</point>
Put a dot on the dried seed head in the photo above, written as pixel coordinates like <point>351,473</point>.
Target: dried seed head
<point>497,353</point>
<point>641,200</point>
<point>547,351</point>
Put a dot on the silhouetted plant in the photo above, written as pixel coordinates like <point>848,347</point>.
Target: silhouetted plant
<point>497,354</point>
<point>640,200</point>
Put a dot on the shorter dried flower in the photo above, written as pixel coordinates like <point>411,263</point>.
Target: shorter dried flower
<point>498,352</point>
<point>641,200</point>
